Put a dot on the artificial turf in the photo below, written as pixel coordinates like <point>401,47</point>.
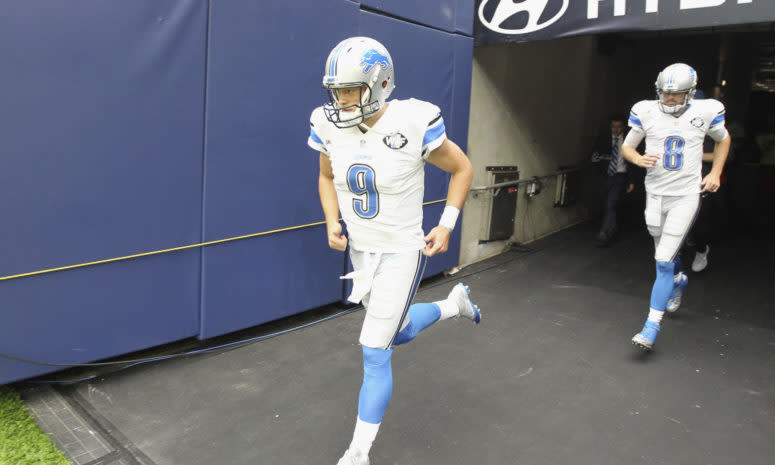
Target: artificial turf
<point>21,441</point>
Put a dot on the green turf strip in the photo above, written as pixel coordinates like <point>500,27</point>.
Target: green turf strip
<point>21,441</point>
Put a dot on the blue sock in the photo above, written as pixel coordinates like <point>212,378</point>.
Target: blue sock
<point>377,384</point>
<point>663,286</point>
<point>420,317</point>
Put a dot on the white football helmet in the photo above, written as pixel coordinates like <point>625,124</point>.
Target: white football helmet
<point>353,63</point>
<point>676,78</point>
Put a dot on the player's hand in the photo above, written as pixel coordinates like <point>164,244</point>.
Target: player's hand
<point>630,188</point>
<point>336,240</point>
<point>711,183</point>
<point>436,241</point>
<point>648,160</point>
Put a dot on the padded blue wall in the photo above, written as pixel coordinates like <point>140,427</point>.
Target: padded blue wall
<point>101,157</point>
<point>169,122</point>
<point>447,15</point>
<point>264,80</point>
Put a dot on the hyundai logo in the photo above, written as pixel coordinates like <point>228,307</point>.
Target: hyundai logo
<point>506,9</point>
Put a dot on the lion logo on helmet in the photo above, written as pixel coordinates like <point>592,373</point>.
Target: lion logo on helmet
<point>372,58</point>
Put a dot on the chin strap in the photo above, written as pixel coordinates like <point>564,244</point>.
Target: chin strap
<point>367,128</point>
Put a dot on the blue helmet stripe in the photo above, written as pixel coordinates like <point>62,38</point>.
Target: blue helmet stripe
<point>334,57</point>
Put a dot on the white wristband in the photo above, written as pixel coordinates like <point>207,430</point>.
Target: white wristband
<point>449,217</point>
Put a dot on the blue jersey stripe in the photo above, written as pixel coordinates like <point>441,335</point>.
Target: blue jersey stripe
<point>433,133</point>
<point>717,120</point>
<point>636,121</point>
<point>314,137</point>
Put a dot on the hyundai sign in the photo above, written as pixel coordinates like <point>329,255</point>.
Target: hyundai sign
<point>498,21</point>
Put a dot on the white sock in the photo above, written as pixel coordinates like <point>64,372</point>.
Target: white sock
<point>655,315</point>
<point>677,277</point>
<point>364,436</point>
<point>448,309</point>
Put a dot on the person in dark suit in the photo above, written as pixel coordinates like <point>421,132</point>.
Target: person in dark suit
<point>618,174</point>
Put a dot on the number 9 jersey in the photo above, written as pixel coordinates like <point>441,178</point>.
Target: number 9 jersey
<point>379,175</point>
<point>678,142</point>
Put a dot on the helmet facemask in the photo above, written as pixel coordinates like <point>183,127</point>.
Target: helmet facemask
<point>671,110</point>
<point>353,114</point>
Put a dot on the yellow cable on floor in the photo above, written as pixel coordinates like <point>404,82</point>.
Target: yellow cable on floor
<point>173,249</point>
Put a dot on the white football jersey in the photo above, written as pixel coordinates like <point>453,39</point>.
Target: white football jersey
<point>678,141</point>
<point>380,175</point>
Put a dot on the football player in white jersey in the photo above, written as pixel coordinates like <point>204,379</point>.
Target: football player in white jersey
<point>674,126</point>
<point>372,160</point>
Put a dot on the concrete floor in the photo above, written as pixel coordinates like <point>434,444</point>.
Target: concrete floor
<point>549,377</point>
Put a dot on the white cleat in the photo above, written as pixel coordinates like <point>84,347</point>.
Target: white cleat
<point>353,457</point>
<point>700,260</point>
<point>460,294</point>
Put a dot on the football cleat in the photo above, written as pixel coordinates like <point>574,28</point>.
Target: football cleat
<point>678,289</point>
<point>460,294</point>
<point>700,260</point>
<point>648,335</point>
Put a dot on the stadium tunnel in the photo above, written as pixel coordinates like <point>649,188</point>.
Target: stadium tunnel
<point>545,86</point>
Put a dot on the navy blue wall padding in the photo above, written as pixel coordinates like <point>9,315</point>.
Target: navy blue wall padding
<point>266,62</point>
<point>161,123</point>
<point>102,129</point>
<point>101,155</point>
<point>266,278</point>
<point>461,89</point>
<point>447,15</point>
<point>464,17</point>
<point>97,312</point>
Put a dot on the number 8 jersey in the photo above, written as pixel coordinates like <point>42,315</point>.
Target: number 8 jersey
<point>379,176</point>
<point>678,141</point>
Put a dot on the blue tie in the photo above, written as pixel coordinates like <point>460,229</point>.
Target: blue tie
<point>613,165</point>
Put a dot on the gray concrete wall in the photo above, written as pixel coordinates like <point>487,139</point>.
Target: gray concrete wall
<point>538,106</point>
